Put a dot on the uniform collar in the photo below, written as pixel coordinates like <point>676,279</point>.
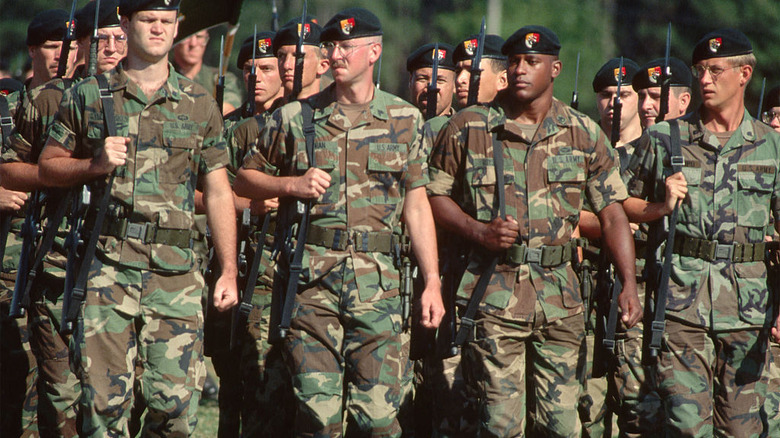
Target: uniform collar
<point>119,80</point>
<point>324,103</point>
<point>697,131</point>
<point>556,119</point>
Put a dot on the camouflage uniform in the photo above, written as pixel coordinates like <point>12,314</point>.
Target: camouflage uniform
<point>207,78</point>
<point>19,376</point>
<point>344,345</point>
<point>59,388</point>
<point>718,312</point>
<point>529,312</point>
<point>142,320</point>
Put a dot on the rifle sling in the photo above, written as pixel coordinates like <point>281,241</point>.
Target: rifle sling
<point>6,121</point>
<point>79,287</point>
<point>467,319</point>
<point>246,299</point>
<point>295,268</point>
<point>658,324</point>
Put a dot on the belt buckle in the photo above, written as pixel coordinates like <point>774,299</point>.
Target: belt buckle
<point>533,255</point>
<point>724,252</point>
<point>136,231</point>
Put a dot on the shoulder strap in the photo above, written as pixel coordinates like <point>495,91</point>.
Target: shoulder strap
<point>659,323</point>
<point>107,101</point>
<point>6,121</point>
<point>467,319</point>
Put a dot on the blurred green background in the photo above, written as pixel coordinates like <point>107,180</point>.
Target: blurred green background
<point>596,29</point>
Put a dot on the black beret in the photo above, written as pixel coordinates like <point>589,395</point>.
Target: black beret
<point>9,85</point>
<point>423,57</point>
<point>49,25</point>
<point>772,99</point>
<point>128,7</point>
<point>467,48</point>
<point>351,23</point>
<point>265,48</point>
<point>532,39</point>
<point>85,17</point>
<point>720,44</point>
<point>649,75</point>
<point>607,75</point>
<point>288,34</point>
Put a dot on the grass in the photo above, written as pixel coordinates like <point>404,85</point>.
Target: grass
<point>208,413</point>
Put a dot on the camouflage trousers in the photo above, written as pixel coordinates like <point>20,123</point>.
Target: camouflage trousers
<point>59,388</point>
<point>772,406</point>
<point>504,352</point>
<point>140,340</point>
<point>268,406</point>
<point>712,383</point>
<point>595,413</point>
<point>18,371</point>
<point>632,391</point>
<point>454,406</point>
<point>345,359</point>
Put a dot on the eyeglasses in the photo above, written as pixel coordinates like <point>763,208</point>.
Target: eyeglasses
<point>120,41</point>
<point>715,70</point>
<point>346,49</point>
<point>768,116</point>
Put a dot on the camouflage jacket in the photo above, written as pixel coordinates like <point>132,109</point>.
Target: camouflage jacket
<point>431,130</point>
<point>732,191</point>
<point>546,179</point>
<point>174,136</point>
<point>13,246</point>
<point>372,165</point>
<point>207,78</point>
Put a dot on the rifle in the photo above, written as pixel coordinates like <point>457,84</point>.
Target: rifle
<point>617,108</point>
<point>761,99</point>
<point>666,79</point>
<point>73,245</point>
<point>274,16</point>
<point>607,285</point>
<point>432,93</point>
<point>94,43</point>
<point>252,79</point>
<point>241,312</point>
<point>62,66</point>
<point>575,100</point>
<point>299,54</point>
<point>476,68</point>
<point>219,92</point>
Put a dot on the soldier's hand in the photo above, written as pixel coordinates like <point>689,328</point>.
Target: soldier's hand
<point>676,189</point>
<point>630,308</point>
<point>113,154</point>
<point>499,234</point>
<point>11,200</point>
<point>634,227</point>
<point>776,330</point>
<point>260,208</point>
<point>312,184</point>
<point>432,307</point>
<point>225,293</point>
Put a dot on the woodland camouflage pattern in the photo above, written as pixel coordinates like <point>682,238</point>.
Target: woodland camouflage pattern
<point>718,312</point>
<point>130,280</point>
<point>347,318</point>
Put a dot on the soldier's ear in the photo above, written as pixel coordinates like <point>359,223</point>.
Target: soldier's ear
<point>745,73</point>
<point>502,81</point>
<point>557,65</point>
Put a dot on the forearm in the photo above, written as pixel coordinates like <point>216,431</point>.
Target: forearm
<point>616,235</point>
<point>452,218</point>
<point>419,221</point>
<point>200,205</point>
<point>254,184</point>
<point>220,213</point>
<point>21,177</point>
<point>641,211</point>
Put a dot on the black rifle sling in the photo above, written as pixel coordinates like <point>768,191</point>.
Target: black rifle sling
<point>6,121</point>
<point>295,268</point>
<point>246,299</point>
<point>659,323</point>
<point>79,287</point>
<point>467,319</point>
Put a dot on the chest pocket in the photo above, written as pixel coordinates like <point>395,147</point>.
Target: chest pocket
<point>755,183</point>
<point>689,209</point>
<point>483,188</point>
<point>566,175</point>
<point>326,157</point>
<point>175,162</point>
<point>387,163</point>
